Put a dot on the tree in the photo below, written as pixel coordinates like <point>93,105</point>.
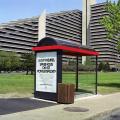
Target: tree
<point>89,61</point>
<point>9,61</point>
<point>111,22</point>
<point>101,66</point>
<point>107,67</point>
<point>4,61</point>
<point>28,61</point>
<point>1,61</point>
<point>15,61</point>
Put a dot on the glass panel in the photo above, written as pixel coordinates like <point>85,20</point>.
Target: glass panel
<point>86,76</point>
<point>69,70</point>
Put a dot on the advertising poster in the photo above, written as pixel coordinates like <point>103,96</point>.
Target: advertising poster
<point>46,72</point>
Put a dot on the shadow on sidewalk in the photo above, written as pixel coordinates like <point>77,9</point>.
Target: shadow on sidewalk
<point>13,105</point>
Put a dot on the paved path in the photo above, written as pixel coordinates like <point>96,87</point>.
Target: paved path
<point>99,105</point>
<point>14,105</point>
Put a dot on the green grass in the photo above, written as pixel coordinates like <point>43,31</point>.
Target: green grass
<point>86,80</point>
<point>109,82</point>
<point>19,83</point>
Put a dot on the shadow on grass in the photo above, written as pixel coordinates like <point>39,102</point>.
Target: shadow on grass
<point>82,91</point>
<point>13,105</point>
<point>115,85</point>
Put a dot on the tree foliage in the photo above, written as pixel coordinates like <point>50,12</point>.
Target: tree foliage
<point>28,61</point>
<point>101,66</point>
<point>104,66</point>
<point>111,21</point>
<point>9,61</point>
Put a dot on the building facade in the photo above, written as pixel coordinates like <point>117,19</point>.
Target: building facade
<point>20,36</point>
<point>98,37</point>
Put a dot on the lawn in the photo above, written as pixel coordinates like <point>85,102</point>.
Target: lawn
<point>20,83</point>
<point>108,82</point>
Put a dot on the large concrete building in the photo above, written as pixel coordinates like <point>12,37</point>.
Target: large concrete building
<point>22,35</point>
<point>18,36</point>
<point>98,37</point>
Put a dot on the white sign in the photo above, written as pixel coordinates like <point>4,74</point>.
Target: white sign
<point>46,72</point>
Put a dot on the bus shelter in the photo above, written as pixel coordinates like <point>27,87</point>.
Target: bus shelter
<point>48,71</point>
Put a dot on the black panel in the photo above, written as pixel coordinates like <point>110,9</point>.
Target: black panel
<point>46,96</point>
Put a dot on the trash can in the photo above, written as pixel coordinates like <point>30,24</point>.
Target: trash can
<point>66,93</point>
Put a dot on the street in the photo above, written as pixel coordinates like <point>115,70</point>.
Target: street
<point>113,116</point>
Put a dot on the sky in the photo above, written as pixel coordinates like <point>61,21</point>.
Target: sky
<point>20,9</point>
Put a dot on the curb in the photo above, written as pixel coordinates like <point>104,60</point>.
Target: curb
<point>101,115</point>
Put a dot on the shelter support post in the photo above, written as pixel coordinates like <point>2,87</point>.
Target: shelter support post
<point>96,84</point>
<point>77,72</point>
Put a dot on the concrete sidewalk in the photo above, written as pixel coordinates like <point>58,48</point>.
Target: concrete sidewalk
<point>97,105</point>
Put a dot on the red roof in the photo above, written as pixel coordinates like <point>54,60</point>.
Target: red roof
<point>67,50</point>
